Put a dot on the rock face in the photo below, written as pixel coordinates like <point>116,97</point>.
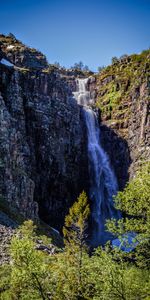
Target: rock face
<point>42,143</point>
<point>43,140</point>
<point>21,55</point>
<point>123,94</point>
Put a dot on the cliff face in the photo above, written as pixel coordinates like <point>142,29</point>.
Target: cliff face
<point>20,55</point>
<point>42,142</point>
<point>123,94</point>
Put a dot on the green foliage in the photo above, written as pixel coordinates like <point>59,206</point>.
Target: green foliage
<point>116,279</point>
<point>71,273</point>
<point>112,99</point>
<point>123,57</point>
<point>134,202</point>
<point>127,74</point>
<point>135,199</point>
<point>5,276</point>
<point>36,275</point>
<point>114,60</point>
<point>30,269</point>
<point>78,66</point>
<point>81,67</point>
<point>76,221</point>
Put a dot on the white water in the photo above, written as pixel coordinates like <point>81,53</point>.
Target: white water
<point>103,183</point>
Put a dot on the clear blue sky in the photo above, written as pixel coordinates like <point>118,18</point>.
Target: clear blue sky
<point>71,30</point>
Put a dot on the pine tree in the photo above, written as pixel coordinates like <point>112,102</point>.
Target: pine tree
<point>70,266</point>
<point>76,223</point>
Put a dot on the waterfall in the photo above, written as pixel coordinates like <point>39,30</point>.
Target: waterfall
<point>103,183</point>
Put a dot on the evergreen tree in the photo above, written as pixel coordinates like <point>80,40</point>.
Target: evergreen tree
<point>114,60</point>
<point>78,66</point>
<point>70,266</point>
<point>76,223</point>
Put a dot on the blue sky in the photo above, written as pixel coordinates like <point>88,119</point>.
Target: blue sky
<point>68,31</point>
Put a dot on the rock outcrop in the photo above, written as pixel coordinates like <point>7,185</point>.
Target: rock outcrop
<point>20,55</point>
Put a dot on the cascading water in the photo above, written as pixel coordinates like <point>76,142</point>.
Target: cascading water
<point>103,183</point>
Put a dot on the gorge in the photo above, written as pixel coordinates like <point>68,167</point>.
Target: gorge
<point>63,131</point>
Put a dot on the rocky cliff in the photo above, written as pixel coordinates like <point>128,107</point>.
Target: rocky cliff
<point>43,138</point>
<point>123,97</point>
<point>43,142</point>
